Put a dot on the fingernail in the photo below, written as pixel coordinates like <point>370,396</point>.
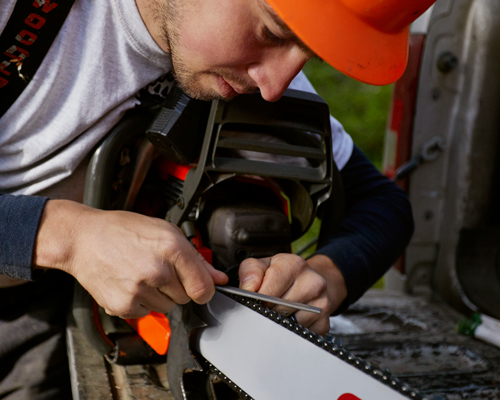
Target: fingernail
<point>247,282</point>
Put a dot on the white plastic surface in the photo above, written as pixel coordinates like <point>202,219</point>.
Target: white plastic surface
<point>489,331</point>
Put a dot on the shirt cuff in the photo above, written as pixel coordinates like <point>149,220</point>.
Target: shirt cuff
<point>19,220</point>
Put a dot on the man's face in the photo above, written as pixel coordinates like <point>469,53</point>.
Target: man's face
<point>222,48</point>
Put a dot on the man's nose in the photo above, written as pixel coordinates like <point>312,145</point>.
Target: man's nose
<point>276,70</point>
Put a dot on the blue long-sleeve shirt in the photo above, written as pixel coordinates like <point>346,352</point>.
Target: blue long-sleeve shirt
<point>377,226</point>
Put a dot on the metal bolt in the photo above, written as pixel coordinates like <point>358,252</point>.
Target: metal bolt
<point>447,62</point>
<point>124,157</point>
<point>180,202</point>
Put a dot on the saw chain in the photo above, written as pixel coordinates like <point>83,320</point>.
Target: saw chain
<point>330,346</point>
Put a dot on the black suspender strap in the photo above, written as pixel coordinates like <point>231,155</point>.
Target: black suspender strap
<point>25,41</point>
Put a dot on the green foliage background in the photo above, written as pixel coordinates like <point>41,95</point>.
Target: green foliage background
<point>362,109</point>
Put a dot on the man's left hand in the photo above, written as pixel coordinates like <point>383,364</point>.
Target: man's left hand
<point>317,282</point>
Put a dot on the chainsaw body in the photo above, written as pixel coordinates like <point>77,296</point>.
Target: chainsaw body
<point>242,179</point>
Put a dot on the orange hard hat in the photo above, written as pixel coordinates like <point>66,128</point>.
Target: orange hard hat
<point>365,39</point>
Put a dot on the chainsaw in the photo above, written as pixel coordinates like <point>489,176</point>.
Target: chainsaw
<point>241,179</point>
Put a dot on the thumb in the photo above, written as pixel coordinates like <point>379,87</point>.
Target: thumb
<point>219,277</point>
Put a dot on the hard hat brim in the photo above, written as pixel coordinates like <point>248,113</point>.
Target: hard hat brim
<point>345,41</point>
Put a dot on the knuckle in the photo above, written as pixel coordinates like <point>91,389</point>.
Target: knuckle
<point>110,312</point>
<point>250,263</point>
<point>316,285</point>
<point>125,306</point>
<point>320,285</point>
<point>155,277</point>
<point>298,262</point>
<point>119,311</point>
<point>276,274</point>
<point>290,258</point>
<point>170,248</point>
<point>290,262</point>
<point>324,304</point>
<point>125,312</point>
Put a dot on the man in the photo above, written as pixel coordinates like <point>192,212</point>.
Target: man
<point>104,53</point>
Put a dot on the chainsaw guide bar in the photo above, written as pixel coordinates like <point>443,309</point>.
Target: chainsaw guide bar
<point>360,371</point>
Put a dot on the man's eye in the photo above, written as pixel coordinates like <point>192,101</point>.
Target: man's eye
<point>271,38</point>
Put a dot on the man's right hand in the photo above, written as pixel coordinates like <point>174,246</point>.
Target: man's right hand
<point>129,263</point>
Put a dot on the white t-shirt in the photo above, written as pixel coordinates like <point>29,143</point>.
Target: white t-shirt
<point>98,62</point>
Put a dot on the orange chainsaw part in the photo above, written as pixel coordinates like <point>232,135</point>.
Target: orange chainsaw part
<point>154,328</point>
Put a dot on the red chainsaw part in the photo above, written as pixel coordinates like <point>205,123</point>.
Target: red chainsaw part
<point>166,168</point>
<point>348,396</point>
<point>204,251</point>
<point>154,329</point>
